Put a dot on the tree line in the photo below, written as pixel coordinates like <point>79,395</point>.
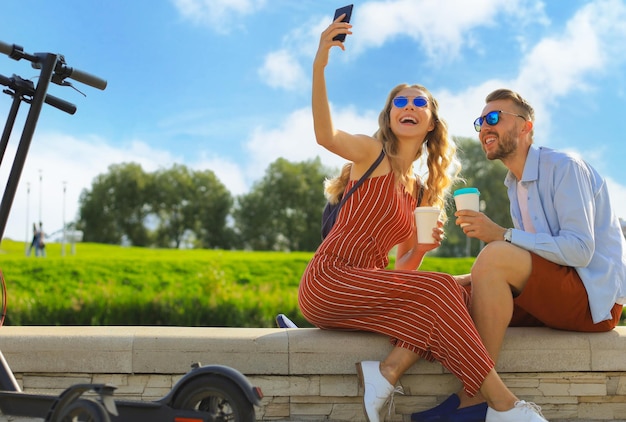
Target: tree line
<point>179,207</point>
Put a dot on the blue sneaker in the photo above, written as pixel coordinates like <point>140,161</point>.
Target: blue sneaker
<point>437,413</point>
<point>283,322</point>
<point>475,413</point>
<point>449,411</point>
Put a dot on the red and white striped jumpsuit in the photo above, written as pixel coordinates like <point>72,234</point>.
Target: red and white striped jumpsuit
<point>346,285</point>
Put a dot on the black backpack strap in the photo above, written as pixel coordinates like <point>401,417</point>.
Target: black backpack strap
<point>362,179</point>
<point>328,218</point>
<point>420,192</point>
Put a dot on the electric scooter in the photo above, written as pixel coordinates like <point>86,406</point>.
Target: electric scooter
<point>211,393</point>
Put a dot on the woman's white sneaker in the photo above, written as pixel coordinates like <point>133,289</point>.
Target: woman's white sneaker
<point>376,389</point>
<point>522,412</point>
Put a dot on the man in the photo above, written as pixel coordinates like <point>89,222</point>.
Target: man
<point>563,265</point>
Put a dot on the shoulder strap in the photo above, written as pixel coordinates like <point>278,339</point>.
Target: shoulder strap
<point>420,193</point>
<point>362,179</point>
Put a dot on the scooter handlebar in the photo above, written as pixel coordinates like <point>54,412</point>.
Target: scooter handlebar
<point>62,105</point>
<point>86,78</point>
<point>6,48</point>
<point>64,71</point>
<point>49,99</point>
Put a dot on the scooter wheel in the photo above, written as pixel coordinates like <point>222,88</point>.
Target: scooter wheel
<point>84,410</point>
<point>220,397</point>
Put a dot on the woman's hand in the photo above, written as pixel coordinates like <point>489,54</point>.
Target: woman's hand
<point>326,40</point>
<point>438,235</point>
<point>410,253</point>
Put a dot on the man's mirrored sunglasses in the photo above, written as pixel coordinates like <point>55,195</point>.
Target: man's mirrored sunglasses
<point>492,118</point>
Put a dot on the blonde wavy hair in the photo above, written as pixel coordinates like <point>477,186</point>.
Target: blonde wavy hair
<point>441,161</point>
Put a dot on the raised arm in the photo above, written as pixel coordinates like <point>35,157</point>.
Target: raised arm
<point>355,148</point>
<point>322,121</point>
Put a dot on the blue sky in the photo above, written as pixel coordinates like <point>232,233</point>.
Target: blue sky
<point>225,84</point>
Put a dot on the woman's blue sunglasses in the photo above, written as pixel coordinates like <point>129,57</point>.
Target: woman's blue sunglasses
<point>401,101</point>
<point>492,118</point>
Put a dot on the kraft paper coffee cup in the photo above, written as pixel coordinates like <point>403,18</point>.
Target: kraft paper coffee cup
<point>467,199</point>
<point>426,220</point>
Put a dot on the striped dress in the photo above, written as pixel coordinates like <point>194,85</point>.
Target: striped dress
<point>347,286</point>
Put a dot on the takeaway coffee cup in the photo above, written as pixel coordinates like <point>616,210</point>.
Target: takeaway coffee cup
<point>426,220</point>
<point>467,199</point>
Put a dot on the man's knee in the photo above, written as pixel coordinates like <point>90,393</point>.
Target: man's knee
<point>489,259</point>
<point>502,261</point>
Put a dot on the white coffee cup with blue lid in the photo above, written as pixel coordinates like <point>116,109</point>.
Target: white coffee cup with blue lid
<point>465,191</point>
<point>467,199</point>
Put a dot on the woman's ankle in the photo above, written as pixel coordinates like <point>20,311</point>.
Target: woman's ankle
<point>389,372</point>
<point>466,401</point>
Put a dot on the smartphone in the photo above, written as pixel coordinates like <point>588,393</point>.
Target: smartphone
<point>348,12</point>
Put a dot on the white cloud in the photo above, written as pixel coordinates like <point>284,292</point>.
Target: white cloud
<point>72,163</point>
<point>441,27</point>
<point>560,64</point>
<point>553,68</point>
<point>65,161</point>
<point>229,173</point>
<point>294,139</point>
<point>220,15</point>
<point>282,70</point>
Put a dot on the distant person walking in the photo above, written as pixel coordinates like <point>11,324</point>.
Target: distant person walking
<point>40,250</point>
<point>35,242</point>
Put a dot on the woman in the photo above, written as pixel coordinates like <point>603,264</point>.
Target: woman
<point>346,285</point>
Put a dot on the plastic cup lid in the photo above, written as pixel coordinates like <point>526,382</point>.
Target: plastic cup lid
<point>466,191</point>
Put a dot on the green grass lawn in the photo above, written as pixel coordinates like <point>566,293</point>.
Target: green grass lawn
<point>114,285</point>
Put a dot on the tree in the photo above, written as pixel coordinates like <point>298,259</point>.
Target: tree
<point>170,200</point>
<point>283,211</point>
<point>211,206</point>
<point>253,216</point>
<point>486,175</point>
<point>115,208</point>
<point>163,209</point>
<point>190,206</point>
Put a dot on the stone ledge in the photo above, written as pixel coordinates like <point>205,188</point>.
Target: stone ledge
<point>308,374</point>
<point>145,350</point>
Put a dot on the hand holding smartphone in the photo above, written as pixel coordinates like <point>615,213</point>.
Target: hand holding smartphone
<point>347,10</point>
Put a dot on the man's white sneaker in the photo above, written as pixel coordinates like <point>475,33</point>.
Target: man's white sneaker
<point>522,412</point>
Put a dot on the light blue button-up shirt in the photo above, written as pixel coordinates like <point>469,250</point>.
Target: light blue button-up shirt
<point>575,226</point>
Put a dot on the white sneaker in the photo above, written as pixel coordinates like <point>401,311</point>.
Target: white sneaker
<point>522,412</point>
<point>376,389</point>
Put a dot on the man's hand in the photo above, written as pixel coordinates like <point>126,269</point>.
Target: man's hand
<point>479,226</point>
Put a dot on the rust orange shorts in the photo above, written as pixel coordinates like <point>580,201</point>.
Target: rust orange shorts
<point>556,297</point>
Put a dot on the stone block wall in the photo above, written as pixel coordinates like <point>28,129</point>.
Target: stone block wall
<point>309,374</point>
